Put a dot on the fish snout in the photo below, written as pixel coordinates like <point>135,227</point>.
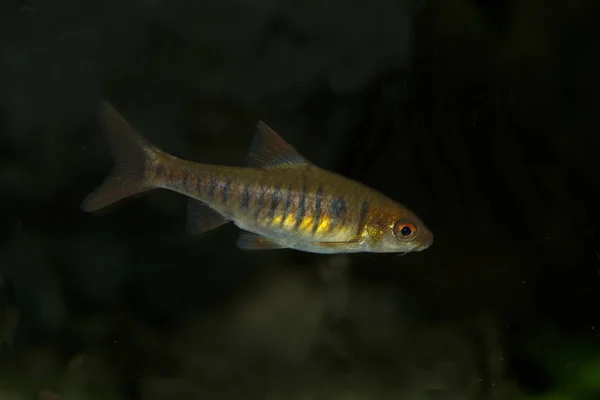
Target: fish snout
<point>426,241</point>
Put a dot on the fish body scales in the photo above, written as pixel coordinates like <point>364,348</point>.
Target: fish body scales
<point>305,205</point>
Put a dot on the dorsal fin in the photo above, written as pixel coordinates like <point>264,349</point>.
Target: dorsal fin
<point>269,150</point>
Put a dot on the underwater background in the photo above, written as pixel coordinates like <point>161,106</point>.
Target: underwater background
<point>480,116</point>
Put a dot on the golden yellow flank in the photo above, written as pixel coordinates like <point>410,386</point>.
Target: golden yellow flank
<point>376,232</point>
<point>307,223</point>
<point>289,222</point>
<point>324,225</point>
<point>277,219</point>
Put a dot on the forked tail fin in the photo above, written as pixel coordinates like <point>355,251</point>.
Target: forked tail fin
<point>130,153</point>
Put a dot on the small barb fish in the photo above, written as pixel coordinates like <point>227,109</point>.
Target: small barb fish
<point>279,200</point>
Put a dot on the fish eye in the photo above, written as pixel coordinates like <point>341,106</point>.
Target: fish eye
<point>404,230</point>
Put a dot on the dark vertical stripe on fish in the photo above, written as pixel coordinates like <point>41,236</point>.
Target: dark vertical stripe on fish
<point>261,200</point>
<point>226,189</point>
<point>275,199</point>
<point>301,211</point>
<point>159,170</point>
<point>246,197</point>
<point>337,207</point>
<point>200,183</point>
<point>167,172</point>
<point>362,217</point>
<point>318,201</point>
<point>187,181</point>
<point>288,204</point>
<point>211,187</point>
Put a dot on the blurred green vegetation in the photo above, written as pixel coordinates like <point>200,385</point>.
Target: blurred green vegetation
<point>572,362</point>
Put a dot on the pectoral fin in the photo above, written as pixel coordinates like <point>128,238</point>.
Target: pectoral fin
<point>202,218</point>
<point>252,241</point>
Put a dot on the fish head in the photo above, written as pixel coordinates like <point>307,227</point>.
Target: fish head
<point>395,229</point>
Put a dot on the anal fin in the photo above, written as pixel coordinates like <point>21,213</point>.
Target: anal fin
<point>202,218</point>
<point>252,241</point>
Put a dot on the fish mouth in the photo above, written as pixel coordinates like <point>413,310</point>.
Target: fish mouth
<point>429,242</point>
<point>425,245</point>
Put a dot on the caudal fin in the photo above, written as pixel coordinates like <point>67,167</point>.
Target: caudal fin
<point>130,153</point>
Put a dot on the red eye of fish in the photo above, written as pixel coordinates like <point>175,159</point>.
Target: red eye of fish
<point>404,230</point>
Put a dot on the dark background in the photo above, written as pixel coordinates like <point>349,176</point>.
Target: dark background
<point>481,116</point>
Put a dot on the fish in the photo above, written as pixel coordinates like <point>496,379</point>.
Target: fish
<point>278,199</point>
